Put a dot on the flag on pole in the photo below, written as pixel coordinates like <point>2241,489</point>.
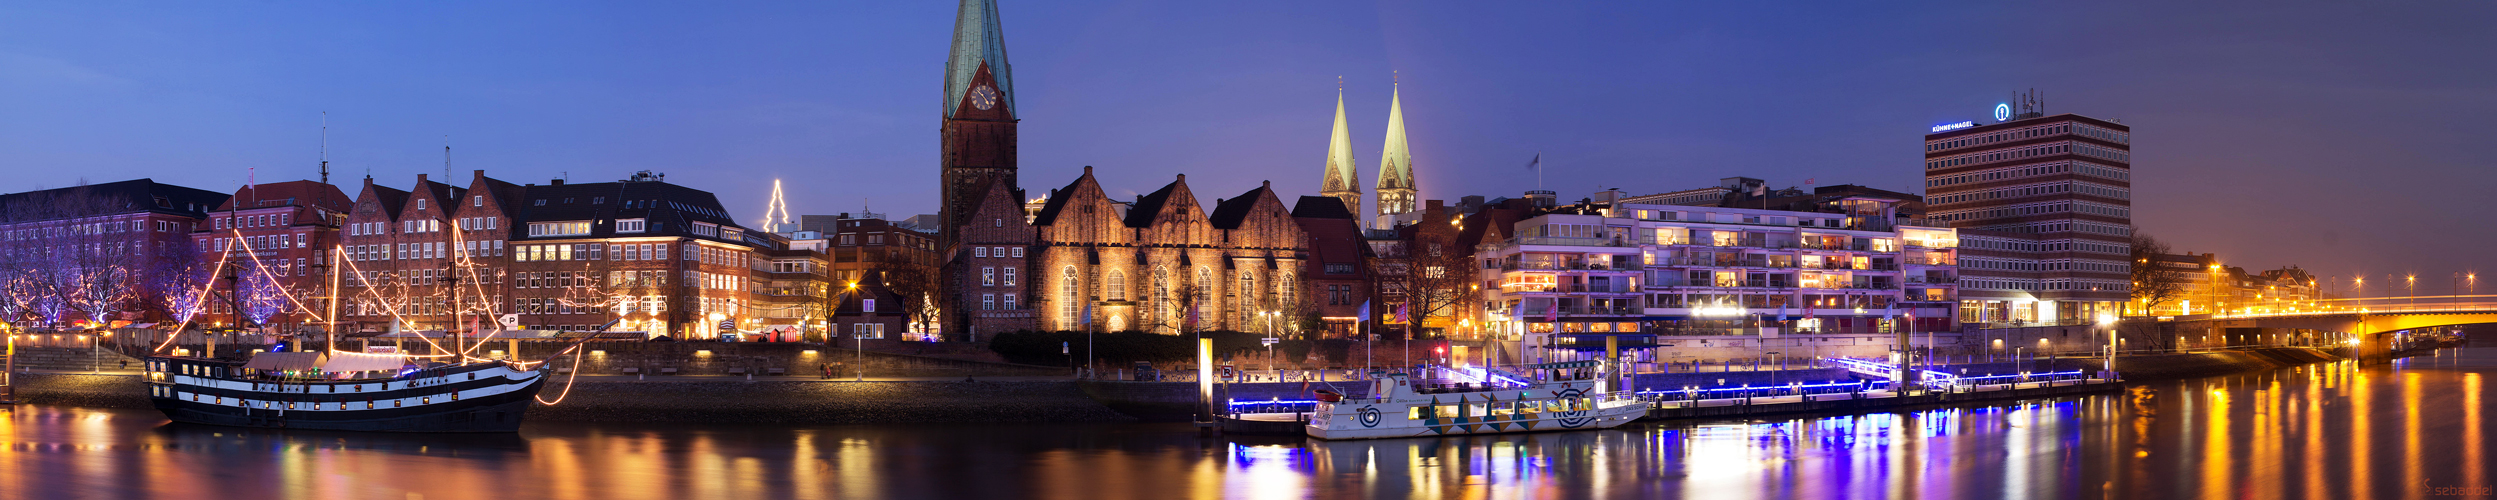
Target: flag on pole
<point>1192,317</point>
<point>1552,313</point>
<point>1781,311</point>
<point>1087,321</point>
<point>1365,310</point>
<point>1401,317</point>
<point>1536,164</point>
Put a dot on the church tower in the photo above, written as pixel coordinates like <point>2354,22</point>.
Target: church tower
<point>978,137</point>
<point>1343,180</point>
<point>977,145</point>
<point>1395,187</point>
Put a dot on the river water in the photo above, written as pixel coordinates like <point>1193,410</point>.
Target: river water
<point>2414,429</point>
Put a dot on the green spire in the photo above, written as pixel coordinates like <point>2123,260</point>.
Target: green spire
<point>1395,185</point>
<point>978,39</point>
<point>1343,180</point>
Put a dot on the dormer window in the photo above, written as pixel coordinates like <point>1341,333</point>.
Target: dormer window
<point>559,228</point>
<point>541,202</point>
<point>476,201</point>
<point>420,203</point>
<point>631,225</point>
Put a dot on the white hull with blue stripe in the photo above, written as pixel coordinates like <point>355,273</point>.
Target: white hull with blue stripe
<point>1398,408</point>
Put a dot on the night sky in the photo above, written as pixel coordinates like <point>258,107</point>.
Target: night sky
<point>2343,138</point>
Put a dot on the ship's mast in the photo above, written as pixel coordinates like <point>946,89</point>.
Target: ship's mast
<point>335,252</point>
<point>459,338</point>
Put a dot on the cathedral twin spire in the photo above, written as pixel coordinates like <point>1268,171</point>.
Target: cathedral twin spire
<point>1342,181</point>
<point>1395,186</point>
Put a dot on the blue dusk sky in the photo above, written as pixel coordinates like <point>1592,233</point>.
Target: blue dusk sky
<point>2342,138</point>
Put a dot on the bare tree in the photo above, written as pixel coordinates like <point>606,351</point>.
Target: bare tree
<point>2154,284</point>
<point>67,257</point>
<point>1171,295</point>
<point>915,284</point>
<point>1441,283</point>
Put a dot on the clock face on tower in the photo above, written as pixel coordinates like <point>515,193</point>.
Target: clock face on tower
<point>984,98</point>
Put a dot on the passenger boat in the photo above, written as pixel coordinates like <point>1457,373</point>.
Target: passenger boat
<point>344,391</point>
<point>1559,396</point>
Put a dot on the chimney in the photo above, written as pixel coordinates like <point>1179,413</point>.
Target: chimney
<point>555,182</point>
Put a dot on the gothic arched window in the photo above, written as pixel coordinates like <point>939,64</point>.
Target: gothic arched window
<point>1283,292</point>
<point>1067,298</point>
<point>1162,306</point>
<point>1118,285</point>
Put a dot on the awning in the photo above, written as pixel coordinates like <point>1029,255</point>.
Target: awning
<point>343,362</point>
<point>284,361</point>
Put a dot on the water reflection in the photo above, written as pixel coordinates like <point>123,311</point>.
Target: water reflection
<point>2326,431</point>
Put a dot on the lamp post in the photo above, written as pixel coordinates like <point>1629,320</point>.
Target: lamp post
<point>2108,321</point>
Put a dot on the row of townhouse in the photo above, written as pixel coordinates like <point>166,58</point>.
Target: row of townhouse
<point>660,258</point>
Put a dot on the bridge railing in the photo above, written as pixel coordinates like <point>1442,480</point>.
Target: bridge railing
<point>2366,305</point>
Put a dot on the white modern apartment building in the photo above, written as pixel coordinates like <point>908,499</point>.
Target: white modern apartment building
<point>1562,282</point>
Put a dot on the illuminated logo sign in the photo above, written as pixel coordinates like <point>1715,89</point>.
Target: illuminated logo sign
<point>1953,126</point>
<point>2002,112</point>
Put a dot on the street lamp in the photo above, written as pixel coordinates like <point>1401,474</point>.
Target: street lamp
<point>2108,322</point>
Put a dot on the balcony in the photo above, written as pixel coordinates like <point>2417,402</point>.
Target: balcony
<point>1567,266</point>
<point>1570,288</point>
<point>1572,242</point>
<point>1594,311</point>
<point>1691,262</point>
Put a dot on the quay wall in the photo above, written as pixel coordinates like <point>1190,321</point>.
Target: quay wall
<point>2211,364</point>
<point>1673,381</point>
<point>882,358</point>
<point>768,402</point>
<point>79,389</point>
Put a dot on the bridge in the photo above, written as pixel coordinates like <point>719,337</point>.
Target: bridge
<point>2368,324</point>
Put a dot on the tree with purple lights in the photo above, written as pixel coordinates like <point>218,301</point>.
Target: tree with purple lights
<point>179,280</point>
<point>259,295</point>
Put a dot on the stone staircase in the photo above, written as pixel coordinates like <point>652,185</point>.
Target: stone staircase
<point>70,359</point>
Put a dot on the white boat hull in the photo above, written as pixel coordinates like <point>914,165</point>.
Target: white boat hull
<point>1536,409</point>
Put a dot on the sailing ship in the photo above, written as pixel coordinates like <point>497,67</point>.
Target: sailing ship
<point>343,391</point>
<point>352,391</point>
<point>1558,396</point>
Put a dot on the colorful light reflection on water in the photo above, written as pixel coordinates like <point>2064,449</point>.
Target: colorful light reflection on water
<point>2414,429</point>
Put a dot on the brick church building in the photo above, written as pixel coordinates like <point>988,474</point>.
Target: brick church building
<point>1083,260</point>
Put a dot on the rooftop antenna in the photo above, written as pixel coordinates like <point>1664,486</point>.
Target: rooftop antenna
<point>324,147</point>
